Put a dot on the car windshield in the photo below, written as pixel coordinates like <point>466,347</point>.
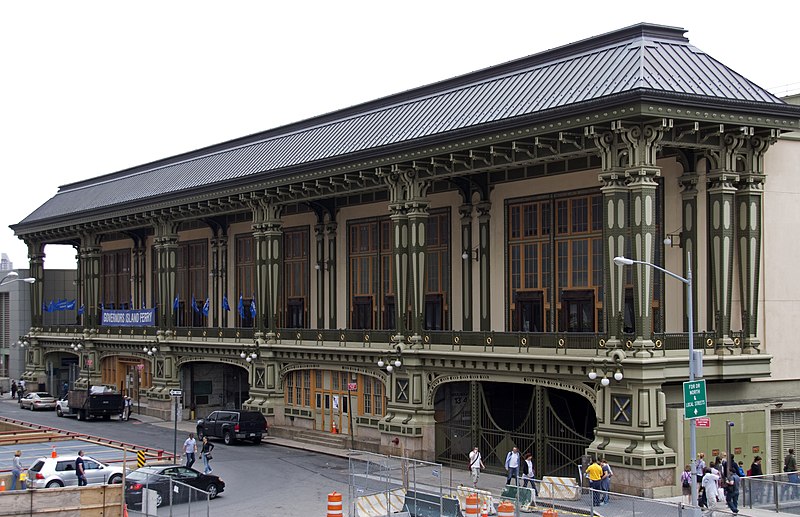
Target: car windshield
<point>43,394</point>
<point>143,474</point>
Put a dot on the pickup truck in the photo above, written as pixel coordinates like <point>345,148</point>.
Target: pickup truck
<point>96,402</point>
<point>232,425</point>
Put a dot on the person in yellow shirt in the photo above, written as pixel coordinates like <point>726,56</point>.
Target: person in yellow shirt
<point>595,474</point>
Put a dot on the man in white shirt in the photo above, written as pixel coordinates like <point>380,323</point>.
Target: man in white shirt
<point>512,466</point>
<point>190,449</point>
<point>475,466</point>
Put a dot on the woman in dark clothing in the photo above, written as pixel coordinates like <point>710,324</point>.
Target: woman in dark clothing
<point>205,453</point>
<point>755,487</point>
<point>755,468</point>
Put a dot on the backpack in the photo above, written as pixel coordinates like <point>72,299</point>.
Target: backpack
<point>685,480</point>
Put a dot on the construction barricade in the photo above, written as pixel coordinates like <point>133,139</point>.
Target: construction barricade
<point>565,488</point>
<point>484,498</point>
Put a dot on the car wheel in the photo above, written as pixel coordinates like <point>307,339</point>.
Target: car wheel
<point>159,499</point>
<point>59,412</point>
<point>227,438</point>
<point>54,484</point>
<point>116,479</point>
<point>199,433</point>
<point>212,491</point>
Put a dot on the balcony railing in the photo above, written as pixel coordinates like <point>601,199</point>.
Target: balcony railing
<point>381,339</point>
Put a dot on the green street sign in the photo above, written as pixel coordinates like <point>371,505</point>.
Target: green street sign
<point>694,399</point>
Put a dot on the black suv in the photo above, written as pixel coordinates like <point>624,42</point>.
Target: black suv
<point>232,425</point>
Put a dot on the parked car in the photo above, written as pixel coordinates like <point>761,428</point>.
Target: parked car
<point>37,400</point>
<point>158,478</point>
<point>232,425</point>
<point>60,471</point>
<point>62,406</point>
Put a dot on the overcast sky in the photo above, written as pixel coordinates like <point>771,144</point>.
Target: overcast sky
<point>92,87</point>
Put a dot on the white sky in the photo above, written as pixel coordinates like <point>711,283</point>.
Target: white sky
<point>92,87</point>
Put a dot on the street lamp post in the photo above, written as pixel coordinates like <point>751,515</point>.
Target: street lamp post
<point>13,276</point>
<point>622,261</point>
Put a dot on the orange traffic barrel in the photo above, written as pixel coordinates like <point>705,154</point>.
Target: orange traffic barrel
<point>334,504</point>
<point>505,509</point>
<point>472,505</point>
<point>549,513</point>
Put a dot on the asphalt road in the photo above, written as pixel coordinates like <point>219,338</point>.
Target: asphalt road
<point>263,480</point>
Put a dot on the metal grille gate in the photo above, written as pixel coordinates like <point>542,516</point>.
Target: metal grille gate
<point>550,427</point>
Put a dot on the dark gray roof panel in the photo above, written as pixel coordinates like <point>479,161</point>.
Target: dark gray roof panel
<point>644,57</point>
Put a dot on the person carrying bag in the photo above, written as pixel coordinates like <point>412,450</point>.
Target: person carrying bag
<point>205,453</point>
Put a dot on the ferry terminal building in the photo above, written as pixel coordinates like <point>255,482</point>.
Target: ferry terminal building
<point>434,270</point>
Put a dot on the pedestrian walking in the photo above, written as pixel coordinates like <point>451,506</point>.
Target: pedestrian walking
<point>80,469</point>
<point>13,389</point>
<point>512,466</point>
<point>21,389</point>
<point>529,473</point>
<point>606,481</point>
<point>16,472</point>
<point>686,483</point>
<point>190,449</point>
<point>128,408</point>
<point>710,484</point>
<point>205,453</point>
<point>595,474</point>
<point>732,488</point>
<point>790,467</point>
<point>700,467</point>
<point>475,466</point>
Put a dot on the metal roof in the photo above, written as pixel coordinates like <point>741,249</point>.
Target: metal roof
<point>644,57</point>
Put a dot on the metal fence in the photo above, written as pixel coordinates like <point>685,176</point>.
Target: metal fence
<point>776,492</point>
<point>382,485</point>
<point>163,496</point>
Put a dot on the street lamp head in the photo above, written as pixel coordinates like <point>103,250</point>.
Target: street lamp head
<point>389,368</point>
<point>29,280</point>
<point>618,375</point>
<point>604,381</point>
<point>145,350</point>
<point>622,261</point>
<point>242,355</point>
<point>380,363</point>
<point>397,363</point>
<point>592,375</point>
<point>248,359</point>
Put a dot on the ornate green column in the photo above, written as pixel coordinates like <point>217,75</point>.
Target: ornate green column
<point>408,428</point>
<point>484,218</point>
<point>266,391</point>
<point>688,182</point>
<point>400,248</point>
<point>721,193</point>
<point>643,143</point>
<point>749,203</point>
<point>465,211</point>
<point>319,234</point>
<point>166,246</point>
<point>417,212</point>
<point>268,240</point>
<point>36,265</point>
<point>330,232</point>
<point>615,228</point>
<point>90,258</point>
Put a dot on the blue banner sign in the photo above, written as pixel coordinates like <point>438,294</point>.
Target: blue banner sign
<point>133,318</point>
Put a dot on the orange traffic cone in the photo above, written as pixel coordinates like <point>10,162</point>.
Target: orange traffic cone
<point>3,486</point>
<point>53,453</point>
<point>124,510</point>
<point>334,429</point>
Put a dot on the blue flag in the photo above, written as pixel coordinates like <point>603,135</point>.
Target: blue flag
<point>225,306</point>
<point>253,306</point>
<point>102,306</point>
<point>51,307</point>
<point>61,304</point>
<point>70,306</point>
<point>195,308</point>
<point>44,307</point>
<point>241,307</point>
<point>175,304</point>
<point>206,306</point>
<point>81,310</point>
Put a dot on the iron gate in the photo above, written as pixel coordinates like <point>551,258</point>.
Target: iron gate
<point>556,426</point>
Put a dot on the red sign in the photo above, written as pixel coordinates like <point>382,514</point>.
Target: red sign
<point>352,386</point>
<point>140,367</point>
<point>89,363</point>
<point>702,422</point>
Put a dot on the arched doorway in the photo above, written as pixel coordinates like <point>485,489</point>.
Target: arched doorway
<point>62,369</point>
<point>209,386</point>
<point>555,425</point>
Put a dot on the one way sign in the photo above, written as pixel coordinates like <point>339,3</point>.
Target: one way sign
<point>694,399</point>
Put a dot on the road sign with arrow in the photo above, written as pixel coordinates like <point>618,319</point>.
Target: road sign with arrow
<point>694,399</point>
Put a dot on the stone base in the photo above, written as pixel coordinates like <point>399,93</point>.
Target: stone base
<point>654,483</point>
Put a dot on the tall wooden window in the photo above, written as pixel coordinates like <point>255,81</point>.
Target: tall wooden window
<point>555,256</point>
<point>116,279</point>
<point>296,277</point>
<point>191,283</point>
<point>369,286</point>
<point>437,263</point>
<point>245,264</point>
